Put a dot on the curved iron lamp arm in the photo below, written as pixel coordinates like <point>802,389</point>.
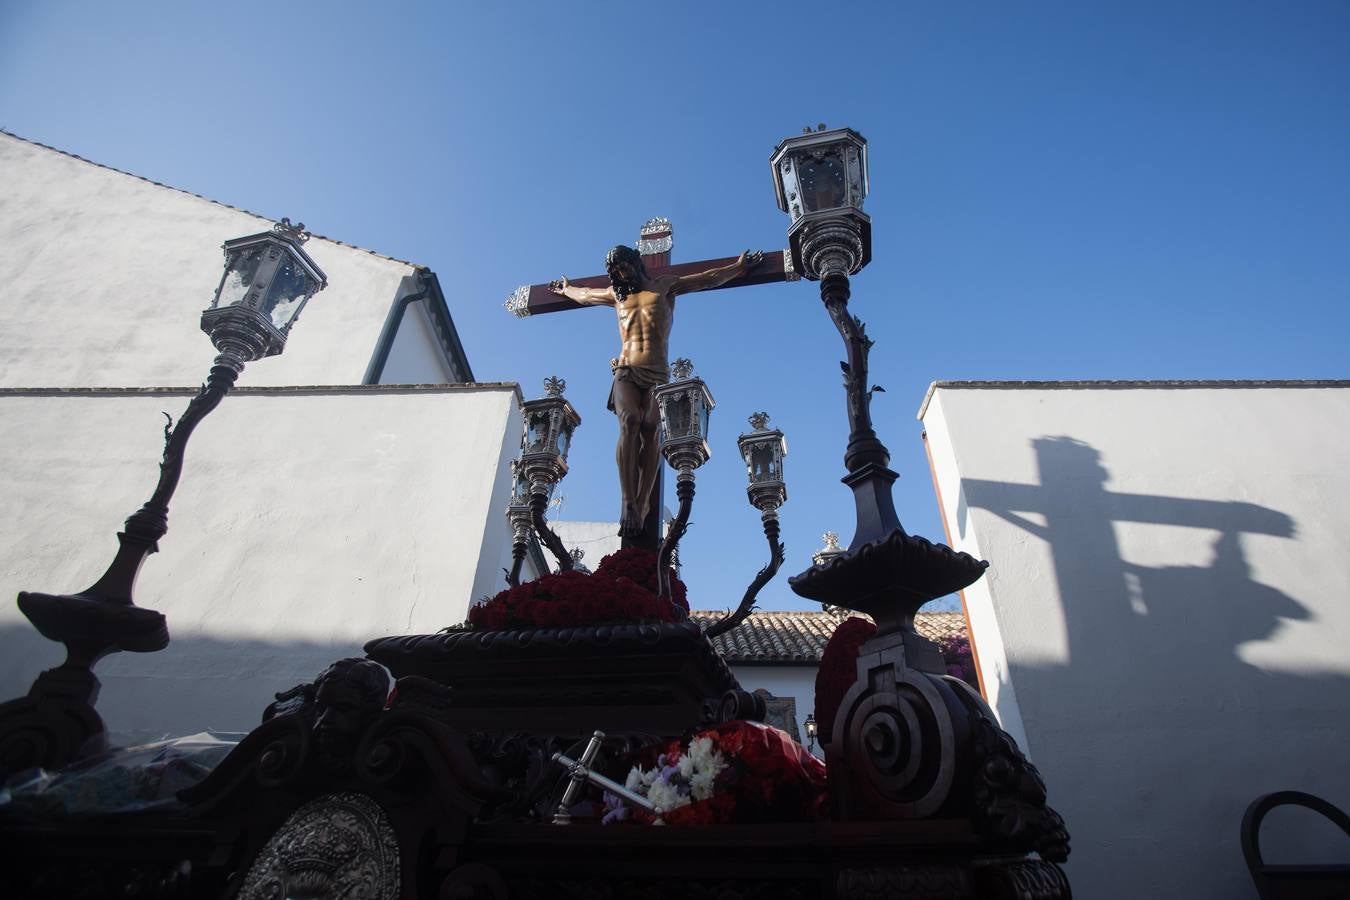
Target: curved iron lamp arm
<point>538,503</point>
<point>517,560</point>
<point>147,525</point>
<point>776,552</point>
<point>863,444</point>
<point>684,489</point>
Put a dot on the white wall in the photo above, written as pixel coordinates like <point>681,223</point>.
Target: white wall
<point>596,539</point>
<point>1165,624</point>
<point>306,523</point>
<point>415,356</point>
<point>106,275</point>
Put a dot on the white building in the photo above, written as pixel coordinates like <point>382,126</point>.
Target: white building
<point>1165,623</point>
<point>321,505</point>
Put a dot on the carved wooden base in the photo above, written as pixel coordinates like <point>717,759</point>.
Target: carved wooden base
<point>54,725</point>
<point>652,678</point>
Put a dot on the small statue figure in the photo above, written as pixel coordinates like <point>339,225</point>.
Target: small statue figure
<point>348,696</point>
<point>646,311</point>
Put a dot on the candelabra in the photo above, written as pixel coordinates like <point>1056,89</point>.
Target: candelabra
<point>549,424</point>
<point>820,180</point>
<point>268,279</point>
<point>763,450</point>
<point>685,405</point>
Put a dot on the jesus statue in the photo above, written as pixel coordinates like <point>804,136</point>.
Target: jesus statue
<point>646,310</point>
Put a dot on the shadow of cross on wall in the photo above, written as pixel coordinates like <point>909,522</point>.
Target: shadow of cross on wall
<point>1123,613</point>
<point>1153,732</point>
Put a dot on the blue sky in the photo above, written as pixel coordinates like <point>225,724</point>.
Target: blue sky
<point>1059,190</point>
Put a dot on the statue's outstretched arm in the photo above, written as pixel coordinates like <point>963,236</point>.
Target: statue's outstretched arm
<point>703,281</point>
<point>585,296</point>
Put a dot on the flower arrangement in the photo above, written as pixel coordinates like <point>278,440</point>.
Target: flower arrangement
<point>639,566</point>
<point>622,589</point>
<point>734,772</point>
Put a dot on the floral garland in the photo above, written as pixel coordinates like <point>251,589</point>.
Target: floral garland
<point>622,589</point>
<point>734,772</point>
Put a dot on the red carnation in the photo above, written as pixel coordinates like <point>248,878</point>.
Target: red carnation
<point>838,670</point>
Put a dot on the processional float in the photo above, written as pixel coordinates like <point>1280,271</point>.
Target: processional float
<point>574,699</point>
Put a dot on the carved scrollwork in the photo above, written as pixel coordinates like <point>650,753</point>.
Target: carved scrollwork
<point>1010,795</point>
<point>935,882</point>
<point>54,725</point>
<point>894,741</point>
<point>1008,792</point>
<point>1033,879</point>
<point>284,757</point>
<point>340,845</point>
<point>740,704</point>
<point>474,881</point>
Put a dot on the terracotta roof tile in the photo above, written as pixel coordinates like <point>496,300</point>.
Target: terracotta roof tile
<point>800,637</point>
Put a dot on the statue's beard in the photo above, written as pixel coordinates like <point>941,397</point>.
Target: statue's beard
<point>623,288</point>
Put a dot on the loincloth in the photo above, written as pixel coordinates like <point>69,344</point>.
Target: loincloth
<point>643,377</point>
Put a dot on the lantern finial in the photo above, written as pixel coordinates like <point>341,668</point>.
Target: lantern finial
<point>681,369</point>
<point>296,233</point>
<point>759,421</point>
<point>554,386</point>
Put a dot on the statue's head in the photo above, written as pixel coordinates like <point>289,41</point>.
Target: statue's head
<point>626,271</point>
<point>348,696</point>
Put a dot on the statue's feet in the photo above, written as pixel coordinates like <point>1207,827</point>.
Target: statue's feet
<point>630,522</point>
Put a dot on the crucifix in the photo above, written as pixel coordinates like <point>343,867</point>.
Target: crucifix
<point>642,285</point>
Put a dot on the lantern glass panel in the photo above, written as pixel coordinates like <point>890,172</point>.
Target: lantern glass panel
<point>822,182</point>
<point>240,272</point>
<point>761,463</point>
<point>564,442</point>
<point>536,435</point>
<point>704,412</point>
<point>678,416</point>
<point>288,292</point>
<point>520,495</point>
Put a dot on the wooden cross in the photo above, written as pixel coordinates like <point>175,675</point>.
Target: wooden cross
<point>655,240</point>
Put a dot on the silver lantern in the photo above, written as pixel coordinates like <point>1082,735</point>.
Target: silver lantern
<point>820,178</point>
<point>268,280</point>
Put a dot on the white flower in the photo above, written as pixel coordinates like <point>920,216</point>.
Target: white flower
<point>701,751</point>
<point>634,782</point>
<point>701,785</point>
<point>665,795</point>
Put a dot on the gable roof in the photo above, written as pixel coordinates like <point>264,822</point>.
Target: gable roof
<point>799,638</point>
<point>265,219</point>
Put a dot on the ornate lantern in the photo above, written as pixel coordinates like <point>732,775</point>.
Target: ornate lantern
<point>763,450</point>
<point>549,423</point>
<point>686,404</point>
<point>820,178</point>
<point>521,517</point>
<point>812,729</point>
<point>268,279</point>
